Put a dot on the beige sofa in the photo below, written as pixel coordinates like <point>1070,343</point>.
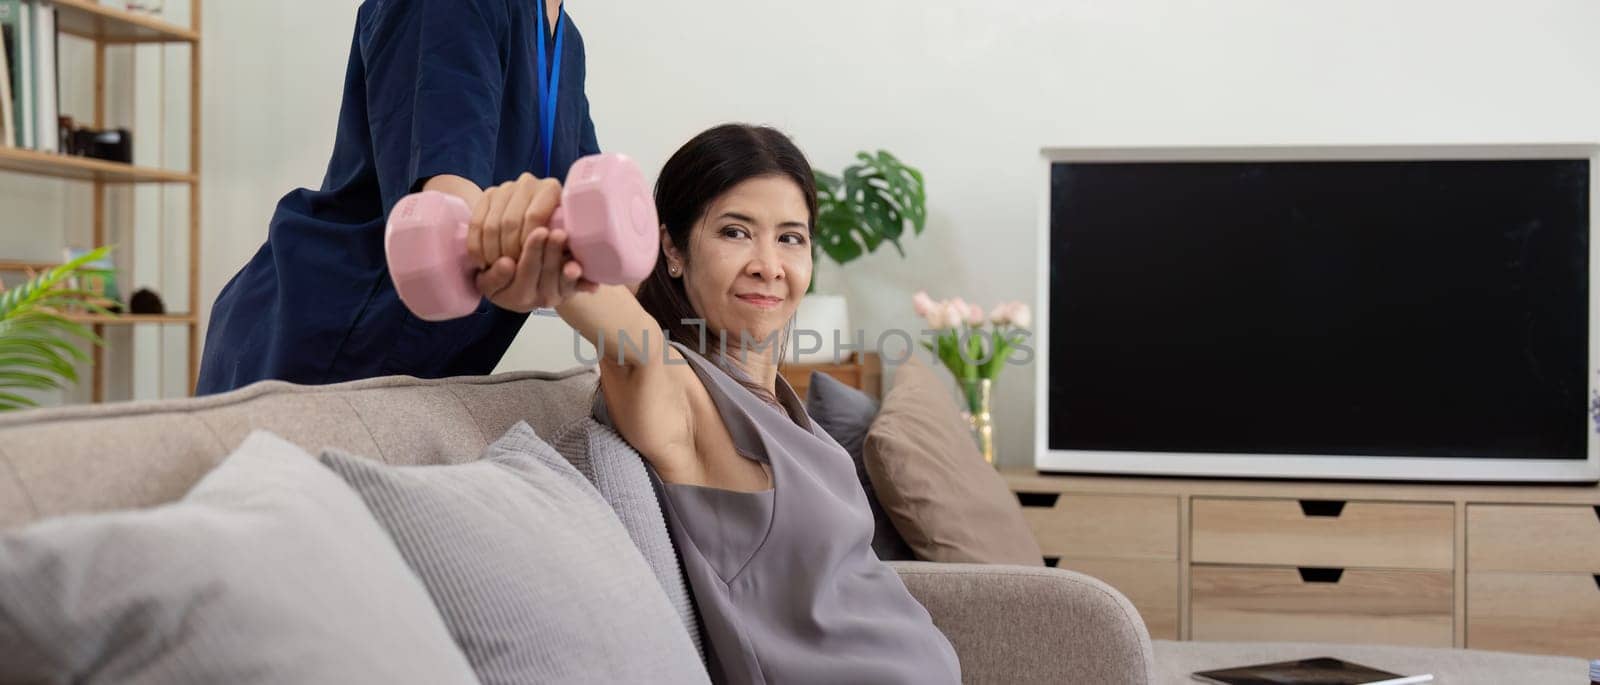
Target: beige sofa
<point>1008,624</point>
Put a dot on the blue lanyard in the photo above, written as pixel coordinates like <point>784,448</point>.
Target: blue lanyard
<point>549,87</point>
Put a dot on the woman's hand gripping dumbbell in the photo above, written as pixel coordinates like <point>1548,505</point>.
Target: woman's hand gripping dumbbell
<point>444,255</point>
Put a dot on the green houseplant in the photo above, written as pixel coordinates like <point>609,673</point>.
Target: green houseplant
<point>36,347</point>
<point>873,203</point>
<point>876,201</point>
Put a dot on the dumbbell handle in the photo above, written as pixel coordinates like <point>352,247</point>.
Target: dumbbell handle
<point>617,242</point>
<point>440,296</point>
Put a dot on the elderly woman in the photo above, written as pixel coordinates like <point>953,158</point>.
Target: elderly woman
<point>764,506</point>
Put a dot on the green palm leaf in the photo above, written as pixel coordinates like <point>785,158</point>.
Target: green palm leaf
<point>37,351</point>
<point>26,379</point>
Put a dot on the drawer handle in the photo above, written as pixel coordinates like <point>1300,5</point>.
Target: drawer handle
<point>1043,500</point>
<point>1053,561</point>
<point>1597,511</point>
<point>1320,575</point>
<point>1322,508</point>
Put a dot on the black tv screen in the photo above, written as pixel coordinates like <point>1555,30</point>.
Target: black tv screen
<point>1364,308</point>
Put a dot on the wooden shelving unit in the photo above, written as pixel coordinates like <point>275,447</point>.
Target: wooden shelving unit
<point>89,19</point>
<point>85,169</point>
<point>130,319</point>
<point>108,26</point>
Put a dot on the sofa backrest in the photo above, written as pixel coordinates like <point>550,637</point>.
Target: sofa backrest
<point>134,454</point>
<point>85,459</point>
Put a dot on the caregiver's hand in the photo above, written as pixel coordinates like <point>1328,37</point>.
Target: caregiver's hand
<point>525,264</point>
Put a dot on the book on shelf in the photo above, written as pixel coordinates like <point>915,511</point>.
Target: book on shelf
<point>48,136</point>
<point>30,72</point>
<point>14,17</point>
<point>8,135</point>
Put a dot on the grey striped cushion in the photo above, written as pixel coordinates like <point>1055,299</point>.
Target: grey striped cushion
<point>533,572</point>
<point>270,570</point>
<point>617,471</point>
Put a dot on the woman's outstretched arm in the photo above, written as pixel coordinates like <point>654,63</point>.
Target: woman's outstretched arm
<point>646,383</point>
<point>622,332</point>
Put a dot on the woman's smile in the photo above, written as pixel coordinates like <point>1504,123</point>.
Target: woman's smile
<point>760,301</point>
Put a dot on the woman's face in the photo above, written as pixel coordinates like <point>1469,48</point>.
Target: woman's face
<point>750,260</point>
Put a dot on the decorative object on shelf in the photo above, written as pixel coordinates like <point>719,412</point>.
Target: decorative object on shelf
<point>146,301</point>
<point>100,276</point>
<point>150,7</point>
<point>64,128</point>
<point>112,145</point>
<point>974,347</point>
<point>36,346</point>
<point>857,213</point>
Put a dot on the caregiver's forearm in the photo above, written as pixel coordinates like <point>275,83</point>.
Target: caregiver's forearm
<point>457,186</point>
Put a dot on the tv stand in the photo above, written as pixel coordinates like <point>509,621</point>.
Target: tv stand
<point>1498,567</point>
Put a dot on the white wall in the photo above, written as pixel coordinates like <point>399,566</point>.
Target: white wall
<point>968,92</point>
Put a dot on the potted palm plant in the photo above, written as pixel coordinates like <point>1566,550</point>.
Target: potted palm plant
<point>36,347</point>
<point>872,204</point>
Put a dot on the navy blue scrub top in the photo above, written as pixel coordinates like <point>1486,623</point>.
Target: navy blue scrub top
<point>432,87</point>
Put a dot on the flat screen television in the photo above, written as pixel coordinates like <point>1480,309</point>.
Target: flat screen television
<point>1386,313</point>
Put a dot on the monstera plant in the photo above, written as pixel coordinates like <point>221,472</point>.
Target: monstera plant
<point>37,351</point>
<point>876,202</point>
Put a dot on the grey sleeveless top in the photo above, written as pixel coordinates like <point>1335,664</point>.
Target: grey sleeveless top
<point>787,585</point>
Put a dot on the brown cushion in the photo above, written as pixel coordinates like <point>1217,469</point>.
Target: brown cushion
<point>947,503</point>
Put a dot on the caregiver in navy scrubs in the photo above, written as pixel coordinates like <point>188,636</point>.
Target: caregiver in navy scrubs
<point>449,95</point>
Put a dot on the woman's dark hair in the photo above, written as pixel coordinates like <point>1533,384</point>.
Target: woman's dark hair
<point>704,168</point>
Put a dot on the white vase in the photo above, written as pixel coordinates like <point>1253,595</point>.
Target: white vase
<point>822,315</point>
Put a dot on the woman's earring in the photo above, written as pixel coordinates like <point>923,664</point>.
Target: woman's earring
<point>673,269</point>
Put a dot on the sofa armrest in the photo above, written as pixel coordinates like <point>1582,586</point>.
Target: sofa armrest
<point>1023,624</point>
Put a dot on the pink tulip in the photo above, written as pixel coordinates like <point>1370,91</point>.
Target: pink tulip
<point>1011,313</point>
<point>974,315</point>
<point>1001,315</point>
<point>922,303</point>
<point>955,311</point>
<point>1021,316</point>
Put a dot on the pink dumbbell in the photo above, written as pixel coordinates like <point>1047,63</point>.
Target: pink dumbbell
<point>605,209</point>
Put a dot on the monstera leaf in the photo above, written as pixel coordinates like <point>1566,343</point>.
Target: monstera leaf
<point>36,347</point>
<point>872,204</point>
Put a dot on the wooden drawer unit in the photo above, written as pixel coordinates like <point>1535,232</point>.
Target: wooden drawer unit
<point>1397,607</point>
<point>1075,526</point>
<point>1326,533</point>
<point>1512,537</point>
<point>1152,586</point>
<point>1511,567</point>
<point>1542,613</point>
